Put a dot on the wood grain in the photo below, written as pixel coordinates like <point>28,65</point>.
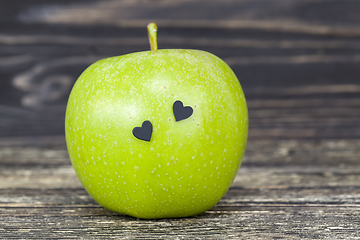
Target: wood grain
<point>286,190</point>
<point>298,64</point>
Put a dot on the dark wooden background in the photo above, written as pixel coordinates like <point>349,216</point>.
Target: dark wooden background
<point>297,60</point>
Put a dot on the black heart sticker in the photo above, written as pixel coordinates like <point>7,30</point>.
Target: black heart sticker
<point>181,112</point>
<point>144,132</point>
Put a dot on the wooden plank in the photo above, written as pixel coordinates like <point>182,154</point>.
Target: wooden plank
<point>286,190</point>
<point>248,223</point>
<point>292,55</point>
<point>302,118</point>
<point>294,16</point>
<point>51,151</point>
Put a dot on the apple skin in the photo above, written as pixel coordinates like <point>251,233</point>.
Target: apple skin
<point>187,166</point>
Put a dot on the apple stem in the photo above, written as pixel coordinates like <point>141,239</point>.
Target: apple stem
<point>152,31</point>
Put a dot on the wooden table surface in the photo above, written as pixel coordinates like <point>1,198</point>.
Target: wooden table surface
<point>297,60</point>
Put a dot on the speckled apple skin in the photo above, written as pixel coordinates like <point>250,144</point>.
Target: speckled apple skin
<point>188,165</point>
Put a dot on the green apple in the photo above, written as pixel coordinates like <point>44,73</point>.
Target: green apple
<point>157,134</point>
